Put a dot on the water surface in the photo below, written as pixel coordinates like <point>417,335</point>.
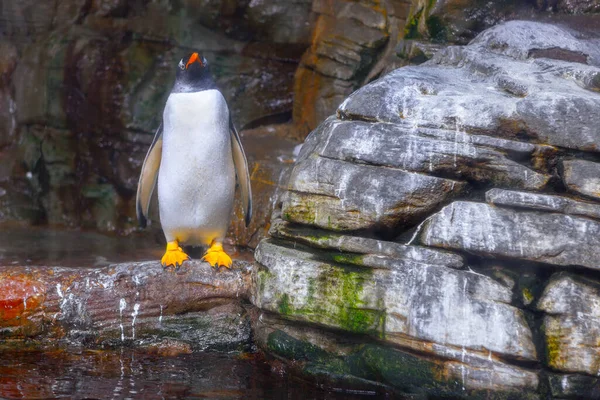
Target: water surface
<point>122,374</point>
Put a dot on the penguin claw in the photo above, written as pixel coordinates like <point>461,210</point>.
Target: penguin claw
<point>174,256</point>
<point>216,257</point>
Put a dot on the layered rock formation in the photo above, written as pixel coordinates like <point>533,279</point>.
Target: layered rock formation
<point>440,234</point>
<point>352,41</point>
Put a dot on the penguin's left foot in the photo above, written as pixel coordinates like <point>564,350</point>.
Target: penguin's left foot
<point>216,257</point>
<point>174,255</point>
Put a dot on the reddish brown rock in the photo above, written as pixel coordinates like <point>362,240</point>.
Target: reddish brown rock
<point>351,42</point>
<point>123,303</point>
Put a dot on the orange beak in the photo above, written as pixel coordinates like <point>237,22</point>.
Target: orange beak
<point>193,58</point>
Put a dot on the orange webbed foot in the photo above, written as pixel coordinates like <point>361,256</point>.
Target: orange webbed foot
<point>174,255</point>
<point>216,257</point>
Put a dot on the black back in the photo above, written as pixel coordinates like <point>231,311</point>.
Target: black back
<point>193,76</point>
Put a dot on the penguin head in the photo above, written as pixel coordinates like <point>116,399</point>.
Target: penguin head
<point>193,74</point>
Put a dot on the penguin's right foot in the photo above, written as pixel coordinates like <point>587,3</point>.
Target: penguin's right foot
<point>174,255</point>
<point>216,257</point>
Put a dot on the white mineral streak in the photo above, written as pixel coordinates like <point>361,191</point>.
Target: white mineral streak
<point>122,307</point>
<point>134,314</point>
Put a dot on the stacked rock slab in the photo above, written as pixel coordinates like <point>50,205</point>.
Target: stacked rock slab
<point>447,218</point>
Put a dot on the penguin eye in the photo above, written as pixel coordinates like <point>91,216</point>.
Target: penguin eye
<point>181,64</point>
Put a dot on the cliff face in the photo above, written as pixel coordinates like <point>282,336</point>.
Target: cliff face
<point>83,84</point>
<point>448,214</point>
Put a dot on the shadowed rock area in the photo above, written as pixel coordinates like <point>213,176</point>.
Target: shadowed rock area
<point>443,225</point>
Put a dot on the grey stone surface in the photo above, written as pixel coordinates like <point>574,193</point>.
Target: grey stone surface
<point>572,323</point>
<point>497,117</point>
<point>491,231</point>
<point>356,245</point>
<point>571,386</point>
<point>547,110</point>
<point>343,196</point>
<point>582,177</point>
<point>319,351</point>
<point>419,303</point>
<point>518,39</point>
<point>450,153</point>
<point>542,202</point>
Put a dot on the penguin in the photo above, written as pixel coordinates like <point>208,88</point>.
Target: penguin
<point>193,160</point>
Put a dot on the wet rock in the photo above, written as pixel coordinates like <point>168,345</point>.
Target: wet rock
<point>23,20</point>
<point>348,38</point>
<point>437,152</point>
<point>416,51</point>
<point>270,157</point>
<point>8,123</point>
<point>542,202</point>
<point>545,115</point>
<point>169,348</point>
<point>515,40</point>
<point>582,177</point>
<point>355,363</point>
<point>479,228</point>
<point>568,386</point>
<point>457,21</point>
<point>572,324</point>
<point>281,21</point>
<point>382,250</point>
<point>38,86</point>
<point>18,202</point>
<point>416,310</point>
<point>570,6</point>
<point>224,327</point>
<point>126,304</point>
<point>344,196</point>
<point>494,117</point>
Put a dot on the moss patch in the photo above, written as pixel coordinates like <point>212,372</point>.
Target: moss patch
<point>337,298</point>
<point>284,305</point>
<point>411,29</point>
<point>369,362</point>
<point>291,348</point>
<point>527,295</point>
<point>347,258</point>
<point>553,345</point>
<point>437,29</point>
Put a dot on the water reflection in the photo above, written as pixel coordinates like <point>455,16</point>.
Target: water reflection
<point>27,245</point>
<point>122,374</point>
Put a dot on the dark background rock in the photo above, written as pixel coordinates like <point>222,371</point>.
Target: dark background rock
<point>83,87</point>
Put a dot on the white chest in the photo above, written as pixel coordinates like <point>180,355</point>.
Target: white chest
<point>196,179</point>
<point>196,116</point>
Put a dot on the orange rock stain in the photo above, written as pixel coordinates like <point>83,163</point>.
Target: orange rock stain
<point>19,296</point>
